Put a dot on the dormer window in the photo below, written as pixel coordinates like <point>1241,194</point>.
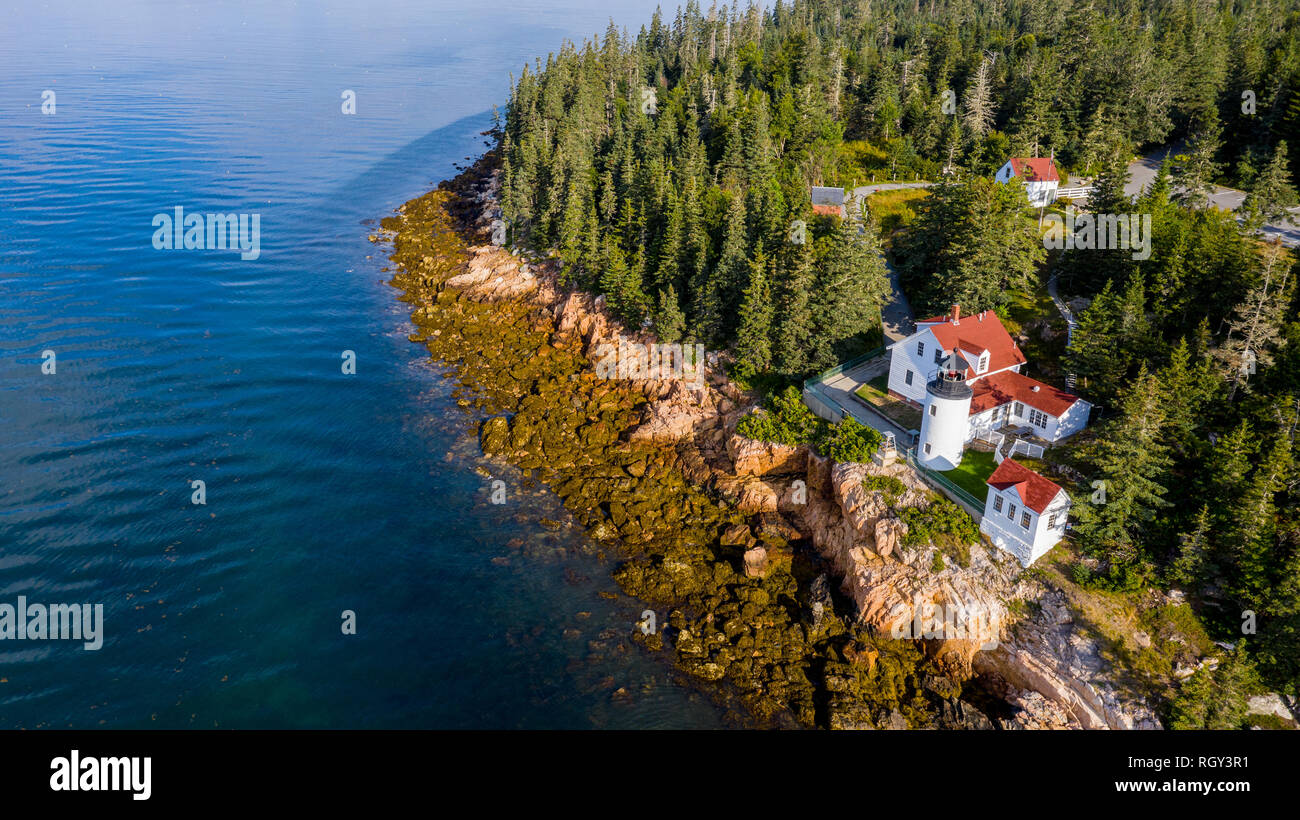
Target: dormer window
<point>983,362</point>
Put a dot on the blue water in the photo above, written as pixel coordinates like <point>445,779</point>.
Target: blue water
<point>325,491</point>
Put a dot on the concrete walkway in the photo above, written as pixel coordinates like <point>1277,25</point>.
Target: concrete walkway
<point>840,392</point>
<point>1063,308</point>
<point>864,191</point>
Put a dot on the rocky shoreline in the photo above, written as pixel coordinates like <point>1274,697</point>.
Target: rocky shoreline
<point>780,574</point>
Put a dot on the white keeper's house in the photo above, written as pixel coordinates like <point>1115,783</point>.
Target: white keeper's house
<point>1039,175</point>
<point>1024,513</point>
<point>963,373</point>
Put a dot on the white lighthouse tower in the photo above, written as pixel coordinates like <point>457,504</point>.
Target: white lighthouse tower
<point>945,417</point>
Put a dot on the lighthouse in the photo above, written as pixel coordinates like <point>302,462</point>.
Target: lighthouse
<point>945,416</point>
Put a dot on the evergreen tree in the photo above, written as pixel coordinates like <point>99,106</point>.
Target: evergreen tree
<point>754,347</point>
<point>1131,459</point>
<point>1197,170</point>
<point>670,322</point>
<point>1255,327</point>
<point>792,347</point>
<point>1254,525</point>
<point>1216,697</point>
<point>621,285</point>
<point>1189,566</point>
<point>1096,354</point>
<point>1271,194</point>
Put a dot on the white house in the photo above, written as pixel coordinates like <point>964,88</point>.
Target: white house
<point>1024,512</point>
<point>981,341</point>
<point>979,348</point>
<point>1011,399</point>
<point>1039,175</point>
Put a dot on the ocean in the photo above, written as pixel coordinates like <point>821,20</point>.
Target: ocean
<point>341,482</point>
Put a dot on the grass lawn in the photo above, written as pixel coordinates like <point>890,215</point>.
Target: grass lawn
<point>895,209</point>
<point>973,472</point>
<point>902,413</point>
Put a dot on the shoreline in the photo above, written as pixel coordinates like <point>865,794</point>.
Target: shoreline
<point>704,522</point>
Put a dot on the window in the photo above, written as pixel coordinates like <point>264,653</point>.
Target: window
<point>920,348</point>
<point>1024,520</point>
<point>1038,419</point>
<point>927,448</point>
<point>938,356</point>
<point>908,377</point>
<point>984,363</point>
<point>1020,409</point>
<point>1011,512</point>
<point>932,409</point>
<point>1051,521</point>
<point>997,503</point>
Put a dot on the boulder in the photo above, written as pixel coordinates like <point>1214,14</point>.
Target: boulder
<point>760,458</point>
<point>756,562</point>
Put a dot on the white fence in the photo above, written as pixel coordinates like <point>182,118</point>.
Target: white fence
<point>1074,193</point>
<point>1019,446</point>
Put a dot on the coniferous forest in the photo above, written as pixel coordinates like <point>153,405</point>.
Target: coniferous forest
<point>670,169</point>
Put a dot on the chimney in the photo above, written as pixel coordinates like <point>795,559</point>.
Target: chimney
<point>982,312</point>
<point>956,314</point>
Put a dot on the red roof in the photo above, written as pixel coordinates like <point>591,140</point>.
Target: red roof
<point>1034,169</point>
<point>1035,491</point>
<point>976,333</point>
<point>1000,388</point>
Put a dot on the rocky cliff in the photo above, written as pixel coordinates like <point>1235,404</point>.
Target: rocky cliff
<point>1038,665</point>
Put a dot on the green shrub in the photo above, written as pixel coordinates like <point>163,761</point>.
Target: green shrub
<point>936,565</point>
<point>1081,574</point>
<point>1133,577</point>
<point>849,442</point>
<point>891,487</point>
<point>787,421</point>
<point>943,524</point>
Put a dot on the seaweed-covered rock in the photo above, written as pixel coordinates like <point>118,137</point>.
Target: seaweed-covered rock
<point>494,436</point>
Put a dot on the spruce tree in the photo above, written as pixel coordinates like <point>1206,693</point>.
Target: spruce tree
<point>1271,194</point>
<point>1132,459</point>
<point>753,338</point>
<point>670,322</point>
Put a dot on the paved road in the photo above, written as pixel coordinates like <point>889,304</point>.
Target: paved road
<point>896,314</point>
<point>865,191</point>
<point>1142,172</point>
